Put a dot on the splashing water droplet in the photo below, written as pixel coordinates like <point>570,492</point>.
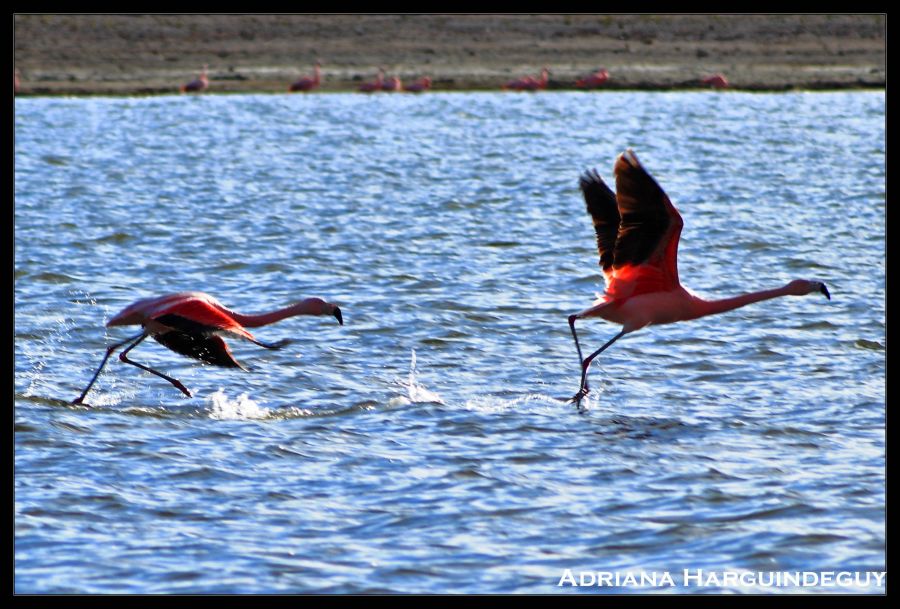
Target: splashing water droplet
<point>243,407</point>
<point>415,391</point>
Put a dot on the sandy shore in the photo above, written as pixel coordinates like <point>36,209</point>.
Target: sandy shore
<point>152,54</point>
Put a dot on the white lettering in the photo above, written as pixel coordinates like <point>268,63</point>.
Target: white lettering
<point>568,578</point>
<point>687,576</point>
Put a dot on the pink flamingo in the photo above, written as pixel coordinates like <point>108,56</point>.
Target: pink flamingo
<point>308,83</point>
<point>717,81</point>
<point>637,232</point>
<point>392,83</point>
<point>193,323</point>
<point>201,83</point>
<point>594,80</point>
<point>529,83</point>
<point>423,84</point>
<point>16,82</point>
<point>368,87</point>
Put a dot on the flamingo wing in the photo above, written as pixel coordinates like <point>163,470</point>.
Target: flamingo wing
<point>199,315</point>
<point>601,205</point>
<point>650,226</point>
<point>210,349</point>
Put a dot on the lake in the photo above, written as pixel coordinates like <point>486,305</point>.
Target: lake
<point>423,447</point>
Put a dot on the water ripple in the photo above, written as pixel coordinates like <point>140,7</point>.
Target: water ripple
<point>427,446</point>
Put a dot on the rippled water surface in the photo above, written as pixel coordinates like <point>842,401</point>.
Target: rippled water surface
<point>423,447</point>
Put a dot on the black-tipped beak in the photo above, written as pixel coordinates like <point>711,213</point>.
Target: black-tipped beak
<point>340,318</point>
<point>824,290</point>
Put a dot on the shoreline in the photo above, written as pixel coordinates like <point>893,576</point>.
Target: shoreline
<point>125,55</point>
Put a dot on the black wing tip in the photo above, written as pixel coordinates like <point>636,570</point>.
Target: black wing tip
<point>589,178</point>
<point>599,197</point>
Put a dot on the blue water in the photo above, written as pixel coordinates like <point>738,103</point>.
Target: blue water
<point>422,447</point>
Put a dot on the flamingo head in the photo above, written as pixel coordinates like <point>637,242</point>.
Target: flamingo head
<point>317,306</point>
<point>802,287</point>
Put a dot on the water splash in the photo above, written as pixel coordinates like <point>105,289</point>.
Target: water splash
<point>243,407</point>
<point>415,392</point>
<point>495,404</point>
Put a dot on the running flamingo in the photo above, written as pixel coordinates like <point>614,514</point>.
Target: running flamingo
<point>198,84</point>
<point>529,83</point>
<point>423,84</point>
<point>637,236</point>
<point>368,87</point>
<point>717,81</point>
<point>193,323</point>
<point>594,80</point>
<point>307,83</point>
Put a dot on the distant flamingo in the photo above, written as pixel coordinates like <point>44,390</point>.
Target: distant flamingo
<point>392,83</point>
<point>308,83</point>
<point>16,82</point>
<point>193,323</point>
<point>594,80</point>
<point>369,87</point>
<point>423,84</point>
<point>717,81</point>
<point>637,237</point>
<point>529,83</point>
<point>201,83</point>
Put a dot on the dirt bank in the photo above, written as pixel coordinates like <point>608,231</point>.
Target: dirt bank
<point>146,54</point>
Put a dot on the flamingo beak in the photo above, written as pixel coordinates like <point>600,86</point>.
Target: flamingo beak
<point>337,314</point>
<point>824,290</point>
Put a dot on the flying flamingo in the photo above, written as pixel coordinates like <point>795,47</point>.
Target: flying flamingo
<point>717,81</point>
<point>198,84</point>
<point>637,236</point>
<point>423,84</point>
<point>529,83</point>
<point>594,80</point>
<point>307,83</point>
<point>368,87</point>
<point>392,83</point>
<point>193,324</point>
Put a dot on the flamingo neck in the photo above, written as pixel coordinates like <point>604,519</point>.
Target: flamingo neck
<point>309,306</point>
<point>714,307</point>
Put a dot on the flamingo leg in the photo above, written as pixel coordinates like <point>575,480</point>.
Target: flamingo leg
<point>124,357</point>
<point>572,319</point>
<point>586,363</point>
<point>109,351</point>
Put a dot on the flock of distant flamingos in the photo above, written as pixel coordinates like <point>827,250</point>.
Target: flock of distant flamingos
<point>594,80</point>
<point>393,83</point>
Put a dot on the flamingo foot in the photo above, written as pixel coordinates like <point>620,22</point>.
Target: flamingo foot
<point>183,389</point>
<point>576,399</point>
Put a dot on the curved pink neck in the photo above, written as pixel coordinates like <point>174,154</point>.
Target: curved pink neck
<point>310,306</point>
<point>712,307</point>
